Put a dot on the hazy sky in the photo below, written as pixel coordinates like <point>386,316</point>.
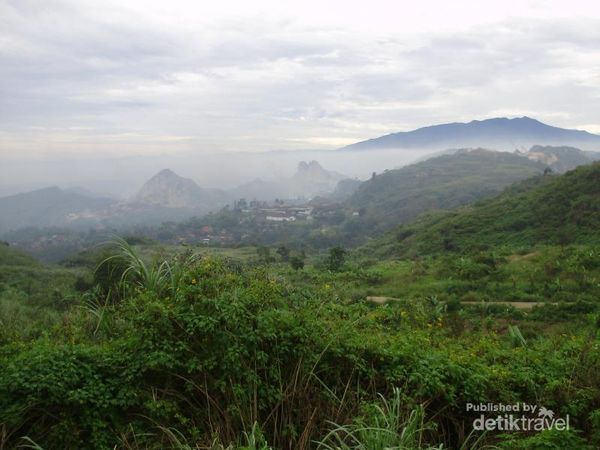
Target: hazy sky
<point>125,77</point>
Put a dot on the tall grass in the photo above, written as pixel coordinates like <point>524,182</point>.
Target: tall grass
<point>516,337</point>
<point>175,439</point>
<point>385,428</point>
<point>134,274</point>
<point>29,443</point>
<point>388,427</point>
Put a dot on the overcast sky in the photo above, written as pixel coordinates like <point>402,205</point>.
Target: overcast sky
<point>125,77</point>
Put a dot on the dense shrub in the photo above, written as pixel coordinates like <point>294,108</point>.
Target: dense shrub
<point>221,348</point>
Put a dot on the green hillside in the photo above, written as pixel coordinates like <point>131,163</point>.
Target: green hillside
<point>449,181</point>
<point>545,210</point>
<point>46,207</point>
<point>32,295</point>
<point>13,257</point>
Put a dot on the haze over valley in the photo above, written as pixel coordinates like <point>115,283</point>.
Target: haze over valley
<point>121,176</point>
<point>166,195</point>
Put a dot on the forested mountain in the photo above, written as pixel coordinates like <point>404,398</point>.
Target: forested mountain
<point>164,197</point>
<point>499,133</point>
<point>550,209</point>
<point>48,207</point>
<point>448,181</point>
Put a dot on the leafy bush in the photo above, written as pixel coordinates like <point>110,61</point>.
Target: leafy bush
<point>199,352</point>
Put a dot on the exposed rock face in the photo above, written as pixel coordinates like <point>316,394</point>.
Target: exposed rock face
<point>309,180</point>
<point>312,178</point>
<point>169,190</point>
<point>560,159</point>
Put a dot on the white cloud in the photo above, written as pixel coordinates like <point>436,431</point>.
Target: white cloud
<point>148,76</point>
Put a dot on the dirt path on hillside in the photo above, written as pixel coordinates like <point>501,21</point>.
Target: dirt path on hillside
<point>380,300</point>
<point>518,305</point>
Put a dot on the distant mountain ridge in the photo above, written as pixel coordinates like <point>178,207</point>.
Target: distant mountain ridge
<point>497,134</point>
<point>50,206</point>
<point>310,180</point>
<point>166,196</point>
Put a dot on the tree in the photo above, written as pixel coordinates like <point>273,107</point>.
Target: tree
<point>240,205</point>
<point>297,263</point>
<point>336,259</point>
<point>264,254</point>
<point>283,252</point>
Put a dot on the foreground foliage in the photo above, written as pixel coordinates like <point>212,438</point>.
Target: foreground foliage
<point>207,353</point>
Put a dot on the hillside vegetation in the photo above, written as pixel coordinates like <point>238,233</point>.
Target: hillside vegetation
<point>32,296</point>
<point>205,353</point>
<point>544,210</point>
<point>398,196</point>
<point>46,207</point>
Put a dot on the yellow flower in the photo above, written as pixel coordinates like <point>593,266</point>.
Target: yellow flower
<point>194,281</point>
